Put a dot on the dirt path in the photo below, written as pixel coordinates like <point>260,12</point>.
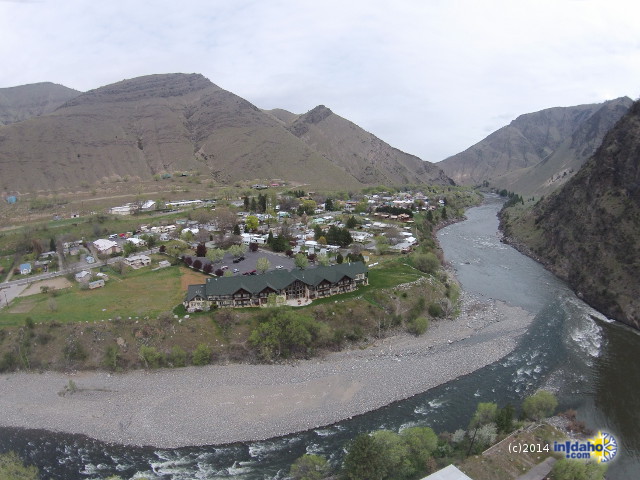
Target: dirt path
<point>56,283</point>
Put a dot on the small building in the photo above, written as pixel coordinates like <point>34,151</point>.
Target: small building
<point>107,246</point>
<point>448,473</point>
<point>83,276</point>
<point>164,264</point>
<point>137,261</point>
<point>122,210</point>
<point>103,276</point>
<point>96,284</point>
<point>25,268</point>
<point>138,242</point>
<point>11,199</point>
<point>90,259</point>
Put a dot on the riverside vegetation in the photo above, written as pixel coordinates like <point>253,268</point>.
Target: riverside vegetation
<point>417,451</point>
<point>405,293</point>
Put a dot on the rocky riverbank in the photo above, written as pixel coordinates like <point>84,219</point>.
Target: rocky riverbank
<point>223,404</point>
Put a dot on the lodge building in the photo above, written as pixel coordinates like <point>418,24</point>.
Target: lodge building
<point>254,290</point>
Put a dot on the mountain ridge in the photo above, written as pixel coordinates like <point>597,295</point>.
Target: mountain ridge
<point>27,101</point>
<point>164,123</point>
<point>587,231</point>
<point>508,156</point>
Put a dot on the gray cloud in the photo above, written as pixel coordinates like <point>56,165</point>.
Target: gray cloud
<point>430,78</point>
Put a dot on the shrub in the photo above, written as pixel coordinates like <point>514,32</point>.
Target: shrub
<point>201,355</point>
<point>309,467</point>
<point>73,351</point>
<point>11,467</point>
<point>29,323</point>
<point>435,310</point>
<point>565,469</point>
<point>427,263</point>
<point>150,356</point>
<point>177,357</point>
<point>540,405</point>
<point>418,325</point>
<point>284,333</point>
<point>111,354</point>
<point>197,265</point>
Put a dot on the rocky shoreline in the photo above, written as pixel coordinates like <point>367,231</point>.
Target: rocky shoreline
<point>223,404</point>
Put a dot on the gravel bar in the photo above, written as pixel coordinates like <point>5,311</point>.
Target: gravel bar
<point>219,404</point>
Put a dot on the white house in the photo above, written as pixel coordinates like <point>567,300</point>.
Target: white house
<point>107,246</point>
<point>137,261</point>
<point>122,210</point>
<point>83,276</point>
<point>96,284</point>
<point>138,242</point>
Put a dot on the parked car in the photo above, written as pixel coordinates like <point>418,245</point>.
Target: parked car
<point>253,272</point>
<point>279,267</point>
<point>225,267</point>
<point>235,270</point>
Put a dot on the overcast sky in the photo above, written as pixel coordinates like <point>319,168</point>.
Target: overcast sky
<point>429,77</point>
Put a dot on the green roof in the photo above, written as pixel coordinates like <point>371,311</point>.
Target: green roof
<point>275,279</point>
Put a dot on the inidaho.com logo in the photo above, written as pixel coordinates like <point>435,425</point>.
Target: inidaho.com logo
<point>602,448</point>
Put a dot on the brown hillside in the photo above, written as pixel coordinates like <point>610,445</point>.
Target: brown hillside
<point>588,231</point>
<point>554,170</point>
<point>27,101</point>
<point>360,153</point>
<point>525,142</point>
<point>155,124</point>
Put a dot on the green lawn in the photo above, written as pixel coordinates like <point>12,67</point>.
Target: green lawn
<point>385,275</point>
<point>139,293</point>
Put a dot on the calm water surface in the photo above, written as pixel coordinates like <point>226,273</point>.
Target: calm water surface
<point>590,362</point>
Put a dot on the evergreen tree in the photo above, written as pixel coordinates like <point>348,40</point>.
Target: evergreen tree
<point>254,205</point>
<point>328,205</point>
<point>317,232</point>
<point>201,250</point>
<point>270,239</point>
<point>236,229</point>
<point>246,202</point>
<point>339,258</point>
<point>364,460</point>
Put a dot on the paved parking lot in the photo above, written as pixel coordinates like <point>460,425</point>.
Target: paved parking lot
<point>251,259</point>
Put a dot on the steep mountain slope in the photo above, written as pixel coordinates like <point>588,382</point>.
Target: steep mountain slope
<point>283,116</point>
<point>154,124</point>
<point>554,171</point>
<point>360,153</point>
<point>588,232</point>
<point>525,142</point>
<point>26,101</point>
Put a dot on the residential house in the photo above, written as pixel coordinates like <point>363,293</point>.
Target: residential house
<point>138,242</point>
<point>137,261</point>
<point>96,284</point>
<point>448,473</point>
<point>25,268</point>
<point>83,276</point>
<point>254,290</point>
<point>108,247</point>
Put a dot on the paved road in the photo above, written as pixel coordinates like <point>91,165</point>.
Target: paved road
<point>10,289</point>
<point>540,471</point>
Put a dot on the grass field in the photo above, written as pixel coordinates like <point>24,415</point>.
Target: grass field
<point>143,292</point>
<point>387,274</point>
<point>137,294</point>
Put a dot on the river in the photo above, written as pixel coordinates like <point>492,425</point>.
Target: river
<point>571,349</point>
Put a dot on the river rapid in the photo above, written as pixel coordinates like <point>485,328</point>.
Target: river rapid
<point>570,348</point>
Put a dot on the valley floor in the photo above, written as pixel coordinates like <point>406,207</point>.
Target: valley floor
<point>229,403</point>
